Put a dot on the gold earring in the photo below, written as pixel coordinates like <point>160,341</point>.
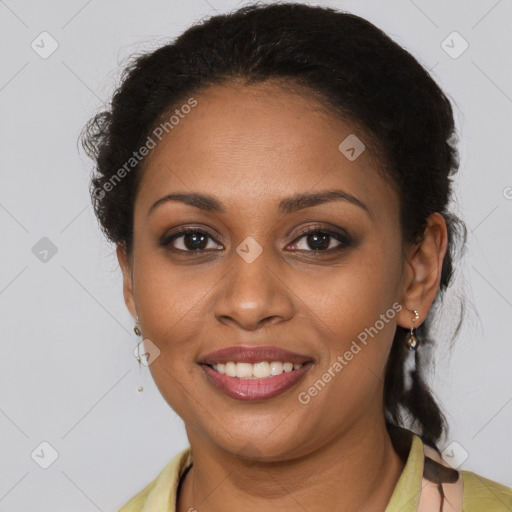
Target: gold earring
<point>412,341</point>
<point>138,332</point>
<point>139,359</point>
<point>140,389</point>
<point>136,329</point>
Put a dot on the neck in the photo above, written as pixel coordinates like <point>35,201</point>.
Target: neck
<point>357,471</point>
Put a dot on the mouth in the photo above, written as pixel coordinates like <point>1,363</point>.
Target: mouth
<point>252,373</point>
<point>260,370</point>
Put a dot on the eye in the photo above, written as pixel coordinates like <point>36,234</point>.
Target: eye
<point>189,240</point>
<point>322,240</point>
<point>195,240</point>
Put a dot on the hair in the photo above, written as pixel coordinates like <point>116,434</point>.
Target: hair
<point>359,73</point>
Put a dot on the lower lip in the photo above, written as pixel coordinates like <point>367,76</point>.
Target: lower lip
<point>255,389</point>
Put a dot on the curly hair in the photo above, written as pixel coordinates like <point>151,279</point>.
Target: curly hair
<point>359,73</point>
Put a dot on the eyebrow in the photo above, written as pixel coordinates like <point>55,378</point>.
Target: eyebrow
<point>286,206</point>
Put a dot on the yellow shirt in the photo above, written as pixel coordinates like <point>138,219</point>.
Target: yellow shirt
<point>412,492</point>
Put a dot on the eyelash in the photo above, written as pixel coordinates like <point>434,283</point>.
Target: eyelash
<point>345,240</point>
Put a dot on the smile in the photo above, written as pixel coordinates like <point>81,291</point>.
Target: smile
<point>254,373</point>
<point>261,370</point>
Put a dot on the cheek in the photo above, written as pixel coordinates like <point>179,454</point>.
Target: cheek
<point>171,299</point>
<point>172,302</point>
<point>353,309</point>
<point>357,322</point>
<point>352,297</point>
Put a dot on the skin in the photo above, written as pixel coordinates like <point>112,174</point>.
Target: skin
<point>250,147</point>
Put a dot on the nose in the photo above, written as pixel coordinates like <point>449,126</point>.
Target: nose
<point>254,294</point>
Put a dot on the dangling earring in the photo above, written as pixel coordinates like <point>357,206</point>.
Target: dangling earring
<point>138,332</point>
<point>136,328</point>
<point>411,341</point>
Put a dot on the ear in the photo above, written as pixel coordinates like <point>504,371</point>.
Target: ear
<point>422,272</point>
<point>126,267</point>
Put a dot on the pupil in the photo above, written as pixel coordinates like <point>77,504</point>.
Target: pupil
<point>194,240</point>
<point>317,241</point>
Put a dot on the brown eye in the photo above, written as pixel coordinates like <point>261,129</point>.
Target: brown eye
<point>189,240</point>
<point>318,240</point>
<point>322,240</point>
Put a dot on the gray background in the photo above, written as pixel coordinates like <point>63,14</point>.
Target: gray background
<point>67,373</point>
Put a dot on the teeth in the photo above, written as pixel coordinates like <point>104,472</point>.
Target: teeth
<point>230,369</point>
<point>276,368</point>
<point>261,370</point>
<point>243,370</point>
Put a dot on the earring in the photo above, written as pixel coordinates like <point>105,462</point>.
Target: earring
<point>136,328</point>
<point>412,341</point>
<point>139,359</point>
<point>138,332</point>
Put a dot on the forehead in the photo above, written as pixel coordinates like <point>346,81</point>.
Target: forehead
<point>262,142</point>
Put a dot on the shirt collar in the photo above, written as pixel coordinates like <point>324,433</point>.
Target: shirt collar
<point>405,497</point>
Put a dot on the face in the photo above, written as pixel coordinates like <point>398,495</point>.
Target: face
<point>263,267</point>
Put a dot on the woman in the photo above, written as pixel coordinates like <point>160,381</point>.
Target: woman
<point>277,184</point>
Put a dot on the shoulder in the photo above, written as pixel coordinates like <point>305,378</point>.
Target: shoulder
<point>160,494</point>
<point>483,494</point>
<point>468,493</point>
<point>138,501</point>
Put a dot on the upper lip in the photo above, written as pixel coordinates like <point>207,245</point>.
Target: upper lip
<point>253,354</point>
